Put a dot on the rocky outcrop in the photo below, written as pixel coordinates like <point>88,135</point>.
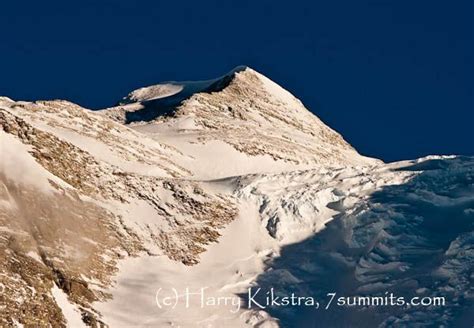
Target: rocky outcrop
<point>73,236</point>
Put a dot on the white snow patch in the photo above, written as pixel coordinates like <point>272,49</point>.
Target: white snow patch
<point>35,256</point>
<point>226,270</point>
<point>20,166</point>
<point>213,159</point>
<point>69,310</point>
<point>154,92</point>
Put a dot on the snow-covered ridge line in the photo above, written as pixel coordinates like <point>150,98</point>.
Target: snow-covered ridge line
<point>185,88</point>
<point>148,103</point>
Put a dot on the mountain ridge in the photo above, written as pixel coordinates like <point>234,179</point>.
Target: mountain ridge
<point>253,115</point>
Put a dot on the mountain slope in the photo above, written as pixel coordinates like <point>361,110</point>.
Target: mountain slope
<point>228,184</point>
<point>75,212</point>
<point>404,228</point>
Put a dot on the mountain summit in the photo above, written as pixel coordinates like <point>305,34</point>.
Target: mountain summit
<point>242,109</point>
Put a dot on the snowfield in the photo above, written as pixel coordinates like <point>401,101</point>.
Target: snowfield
<point>190,202</point>
<point>410,235</point>
<point>406,228</point>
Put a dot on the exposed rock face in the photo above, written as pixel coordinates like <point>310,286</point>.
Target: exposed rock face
<point>95,212</point>
<point>52,238</point>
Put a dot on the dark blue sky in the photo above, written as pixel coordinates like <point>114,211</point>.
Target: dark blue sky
<point>394,77</point>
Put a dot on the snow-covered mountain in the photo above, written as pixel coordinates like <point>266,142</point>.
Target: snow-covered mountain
<point>226,184</point>
<point>237,124</point>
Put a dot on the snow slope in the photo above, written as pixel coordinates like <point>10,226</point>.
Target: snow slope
<point>224,270</point>
<point>410,238</point>
<point>355,231</point>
